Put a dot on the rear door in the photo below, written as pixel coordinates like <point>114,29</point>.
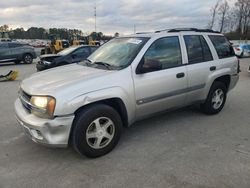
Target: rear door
<point>4,51</point>
<point>165,87</point>
<point>207,56</point>
<point>200,65</point>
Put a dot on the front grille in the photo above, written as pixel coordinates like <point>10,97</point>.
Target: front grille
<point>25,99</point>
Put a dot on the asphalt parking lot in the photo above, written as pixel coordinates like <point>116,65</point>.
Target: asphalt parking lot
<point>184,148</point>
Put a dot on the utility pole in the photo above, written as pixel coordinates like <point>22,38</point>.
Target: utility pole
<point>134,28</point>
<point>95,15</point>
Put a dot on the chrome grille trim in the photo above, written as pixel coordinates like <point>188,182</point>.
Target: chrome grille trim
<point>25,100</point>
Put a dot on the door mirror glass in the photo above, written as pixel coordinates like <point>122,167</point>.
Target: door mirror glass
<point>164,53</point>
<point>149,65</point>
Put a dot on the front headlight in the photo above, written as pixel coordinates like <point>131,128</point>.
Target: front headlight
<point>43,106</point>
<point>46,62</point>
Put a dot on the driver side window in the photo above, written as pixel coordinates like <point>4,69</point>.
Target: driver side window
<point>165,52</point>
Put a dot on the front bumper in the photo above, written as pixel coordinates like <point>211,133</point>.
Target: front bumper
<point>40,66</point>
<point>51,132</point>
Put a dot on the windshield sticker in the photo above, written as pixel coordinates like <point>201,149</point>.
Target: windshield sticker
<point>134,41</point>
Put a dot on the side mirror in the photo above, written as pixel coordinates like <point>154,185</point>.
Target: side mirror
<point>150,65</point>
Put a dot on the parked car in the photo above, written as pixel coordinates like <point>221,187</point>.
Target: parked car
<point>126,80</point>
<point>70,55</point>
<point>17,52</point>
<point>242,50</point>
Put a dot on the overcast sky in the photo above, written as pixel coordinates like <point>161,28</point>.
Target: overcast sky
<point>112,15</point>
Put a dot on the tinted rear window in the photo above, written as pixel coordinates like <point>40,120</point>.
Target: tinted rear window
<point>197,49</point>
<point>222,46</point>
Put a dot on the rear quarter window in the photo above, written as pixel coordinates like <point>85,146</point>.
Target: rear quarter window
<point>222,46</point>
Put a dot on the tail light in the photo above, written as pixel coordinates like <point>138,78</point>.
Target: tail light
<point>237,49</point>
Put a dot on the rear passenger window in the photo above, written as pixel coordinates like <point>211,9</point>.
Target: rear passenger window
<point>197,49</point>
<point>14,45</point>
<point>222,45</point>
<point>165,51</point>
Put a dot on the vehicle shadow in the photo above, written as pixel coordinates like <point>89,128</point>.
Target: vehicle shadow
<point>163,122</point>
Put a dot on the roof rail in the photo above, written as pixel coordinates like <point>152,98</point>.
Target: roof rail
<point>187,29</point>
<point>142,33</point>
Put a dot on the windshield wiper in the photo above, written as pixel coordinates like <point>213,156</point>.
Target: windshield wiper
<point>108,66</point>
<point>88,60</point>
<point>85,62</point>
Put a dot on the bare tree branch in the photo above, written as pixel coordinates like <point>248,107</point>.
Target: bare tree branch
<point>213,11</point>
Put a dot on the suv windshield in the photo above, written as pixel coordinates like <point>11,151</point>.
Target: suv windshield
<point>118,53</point>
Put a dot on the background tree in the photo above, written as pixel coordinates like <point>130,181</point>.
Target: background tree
<point>4,28</point>
<point>116,34</point>
<point>213,11</point>
<point>223,12</point>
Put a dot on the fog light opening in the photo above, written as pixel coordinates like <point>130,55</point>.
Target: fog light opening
<point>36,134</point>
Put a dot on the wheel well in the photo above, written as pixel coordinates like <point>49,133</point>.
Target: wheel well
<point>27,54</point>
<point>115,103</point>
<point>224,79</point>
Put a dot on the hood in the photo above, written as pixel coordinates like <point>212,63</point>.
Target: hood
<point>48,57</point>
<point>55,80</point>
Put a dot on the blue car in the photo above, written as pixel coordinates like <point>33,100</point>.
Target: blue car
<point>242,50</point>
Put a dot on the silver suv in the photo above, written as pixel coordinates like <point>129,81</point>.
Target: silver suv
<point>125,80</point>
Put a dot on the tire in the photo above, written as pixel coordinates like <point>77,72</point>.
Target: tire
<point>216,99</point>
<point>88,138</point>
<point>27,58</point>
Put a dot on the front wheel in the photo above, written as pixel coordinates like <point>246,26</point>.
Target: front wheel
<point>216,99</point>
<point>96,130</point>
<point>27,58</point>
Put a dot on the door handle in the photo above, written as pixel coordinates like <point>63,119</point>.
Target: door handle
<point>180,75</point>
<point>213,68</point>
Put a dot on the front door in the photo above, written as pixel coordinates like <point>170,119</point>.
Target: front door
<point>163,86</point>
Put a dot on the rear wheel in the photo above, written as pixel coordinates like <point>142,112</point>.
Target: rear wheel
<point>216,99</point>
<point>96,130</point>
<point>27,58</point>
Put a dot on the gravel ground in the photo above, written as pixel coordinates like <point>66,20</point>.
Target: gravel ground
<point>184,148</point>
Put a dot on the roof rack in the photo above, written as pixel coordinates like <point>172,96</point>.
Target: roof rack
<point>142,33</point>
<point>187,29</point>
